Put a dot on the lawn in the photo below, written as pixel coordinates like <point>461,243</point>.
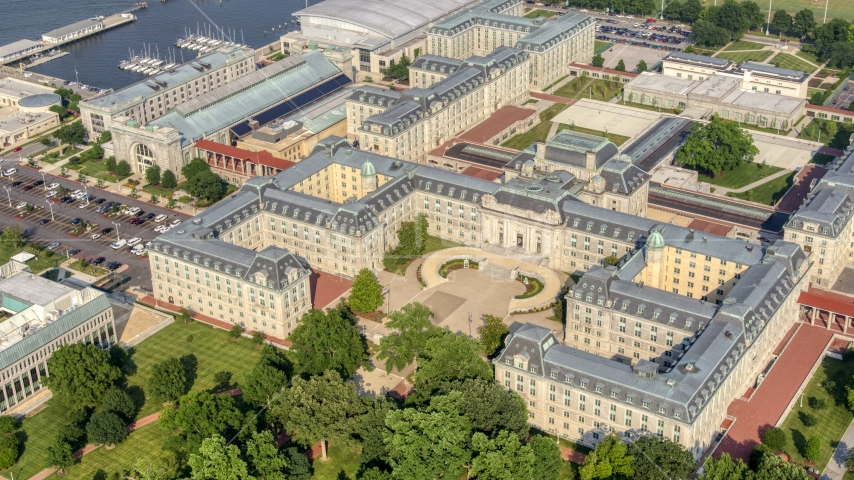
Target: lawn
<point>89,270</point>
<point>599,46</point>
<point>67,151</point>
<point>785,60</point>
<point>841,140</point>
<point>343,462</point>
<point>744,174</point>
<point>832,421</point>
<point>811,91</point>
<point>653,108</point>
<point>530,101</point>
<point>587,87</point>
<point>555,83</point>
<point>157,190</point>
<point>540,13</point>
<point>539,132</point>
<point>42,262</point>
<point>210,350</point>
<point>435,243</point>
<point>768,193</point>
<point>745,45</point>
<point>613,137</point>
<point>809,56</point>
<point>739,57</point>
<point>98,169</point>
<point>840,9</point>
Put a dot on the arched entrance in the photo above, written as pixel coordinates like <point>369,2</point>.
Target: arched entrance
<point>144,157</point>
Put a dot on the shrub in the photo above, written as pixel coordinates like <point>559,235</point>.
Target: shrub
<point>189,339</point>
<point>774,438</point>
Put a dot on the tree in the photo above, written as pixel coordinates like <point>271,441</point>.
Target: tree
<point>222,379</point>
<point>106,136</point>
<point>849,459</point>
<point>218,461</point>
<point>80,374</point>
<point>195,167</point>
<point>781,21</point>
<point>673,10</point>
<point>547,459</point>
<point>609,460</point>
<point>118,401</point>
<point>492,333</point>
<point>8,424</point>
<point>841,55</point>
<point>123,168</point>
<point>317,409</point>
<point>812,450</point>
<point>106,428</point>
<point>724,468</point>
<point>13,235</point>
<point>489,407</point>
<point>185,316</point>
<point>641,66</point>
<point>168,380</point>
<point>207,186</point>
<point>71,133</point>
<point>831,129</point>
<point>817,404</point>
<point>152,175</point>
<point>267,378</point>
<point>373,473</point>
<point>10,450</point>
<point>201,415</point>
<point>258,339</point>
<point>399,70</point>
<point>501,457</point>
<point>447,358</point>
<point>804,23</point>
<point>731,18</point>
<point>156,468</point>
<point>808,419</point>
<point>753,14</point>
<point>58,455</point>
<point>774,438</point>
<point>110,164</point>
<point>371,428</point>
<point>298,466</point>
<point>327,341</point>
<point>59,110</point>
<point>411,328</point>
<point>598,61</point>
<point>366,294</point>
<point>708,34</point>
<point>168,180</point>
<point>235,332</point>
<point>266,463</point>
<point>691,11</point>
<point>849,396</point>
<point>657,457</point>
<point>621,66</point>
<point>426,444</point>
<point>716,146</point>
<point>612,260</point>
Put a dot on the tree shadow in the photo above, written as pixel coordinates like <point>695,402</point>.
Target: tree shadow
<point>137,394</point>
<point>100,475</point>
<point>190,364</point>
<point>342,475</point>
<point>22,441</point>
<point>800,441</point>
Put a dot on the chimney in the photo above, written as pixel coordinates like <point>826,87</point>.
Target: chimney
<point>253,124</point>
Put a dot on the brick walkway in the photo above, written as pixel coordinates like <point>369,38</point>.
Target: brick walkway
<point>771,399</point>
<point>796,195</point>
<point>553,98</point>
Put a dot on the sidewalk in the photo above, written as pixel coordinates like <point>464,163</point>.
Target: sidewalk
<point>722,191</point>
<point>835,470</point>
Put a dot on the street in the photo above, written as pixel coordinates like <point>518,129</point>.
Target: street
<point>58,228</point>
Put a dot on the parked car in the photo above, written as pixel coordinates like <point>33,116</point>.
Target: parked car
<point>73,252</point>
<point>159,218</point>
<point>38,183</point>
<point>119,244</point>
<point>21,205</point>
<point>175,223</point>
<point>133,241</point>
<point>15,184</point>
<point>98,261</point>
<point>44,221</point>
<point>29,187</point>
<point>106,230</point>
<point>95,236</point>
<point>99,201</point>
<point>53,186</point>
<point>51,194</point>
<point>53,245</point>
<point>9,172</point>
<point>75,221</point>
<point>148,216</point>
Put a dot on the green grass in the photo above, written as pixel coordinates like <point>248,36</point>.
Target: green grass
<point>98,170</point>
<point>540,13</point>
<point>811,91</point>
<point>157,190</point>
<point>650,107</point>
<point>738,57</point>
<point>592,88</point>
<point>530,101</point>
<point>599,46</point>
<point>768,193</point>
<point>613,137</point>
<point>822,159</point>
<point>40,263</point>
<point>840,9</point>
<point>539,132</point>
<point>555,82</point>
<point>67,151</point>
<point>89,270</point>
<point>785,60</point>
<point>435,243</point>
<point>214,352</point>
<point>832,421</point>
<point>343,462</point>
<point>841,140</point>
<point>809,56</point>
<point>744,174</point>
<point>745,45</point>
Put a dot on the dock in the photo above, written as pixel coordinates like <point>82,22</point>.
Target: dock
<point>44,59</point>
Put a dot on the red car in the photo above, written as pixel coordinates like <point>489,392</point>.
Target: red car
<point>18,149</point>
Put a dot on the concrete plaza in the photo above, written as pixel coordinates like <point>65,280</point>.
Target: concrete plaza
<point>610,117</point>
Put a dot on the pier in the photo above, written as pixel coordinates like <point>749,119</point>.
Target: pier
<point>44,59</point>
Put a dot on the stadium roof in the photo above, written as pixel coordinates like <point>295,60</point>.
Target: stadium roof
<point>387,19</point>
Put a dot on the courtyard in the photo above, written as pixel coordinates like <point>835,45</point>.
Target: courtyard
<point>607,117</point>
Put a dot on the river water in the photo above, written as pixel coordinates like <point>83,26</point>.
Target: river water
<point>96,58</point>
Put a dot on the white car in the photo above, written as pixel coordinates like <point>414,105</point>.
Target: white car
<point>132,210</point>
<point>9,172</point>
<point>119,244</point>
<point>159,218</point>
<point>96,236</point>
<point>631,16</point>
<point>51,194</point>
<point>21,205</point>
<point>175,223</point>
<point>83,205</point>
<point>53,186</point>
<point>133,241</point>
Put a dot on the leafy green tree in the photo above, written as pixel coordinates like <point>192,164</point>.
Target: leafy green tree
<point>492,334</point>
<point>80,374</point>
<point>716,146</point>
<point>774,438</point>
<point>502,457</point>
<point>673,10</point>
<point>691,11</point>
<point>817,404</point>
<point>168,180</point>
<point>547,460</point>
<point>808,419</point>
<point>781,21</point>
<point>812,450</point>
<point>598,61</point>
<point>59,110</point>
<point>152,174</point>
<point>298,466</point>
<point>804,23</point>
<point>106,428</point>
<point>258,339</point>
<point>168,380</point>
<point>447,358</point>
<point>195,167</point>
<point>426,444</point>
<point>63,92</point>
<point>110,164</point>
<point>753,14</point>
<point>621,66</point>
<point>267,378</point>
<point>708,34</point>
<point>218,461</point>
<point>612,260</point>
<point>610,460</point>
<point>849,459</point>
<point>411,328</point>
<point>317,409</point>
<point>222,379</point>
<point>327,341</point>
<point>156,468</point>
<point>8,424</point>
<point>10,450</point>
<point>374,473</point>
<point>641,66</point>
<point>201,415</point>
<point>106,136</point>
<point>657,457</point>
<point>724,468</point>
<point>265,460</point>
<point>123,168</point>
<point>235,332</point>
<point>118,401</point>
<point>71,133</point>
<point>366,294</point>
<point>371,428</point>
<point>14,236</point>
<point>399,70</point>
<point>59,455</point>
<point>207,186</point>
<point>730,17</point>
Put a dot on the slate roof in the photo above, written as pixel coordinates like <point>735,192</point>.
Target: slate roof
<point>571,147</point>
<point>830,203</point>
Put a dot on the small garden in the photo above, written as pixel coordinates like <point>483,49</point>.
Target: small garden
<point>532,287</point>
<point>84,266</point>
<point>449,267</point>
<point>591,88</point>
<point>540,13</point>
<point>833,134</point>
<point>744,173</point>
<point>540,131</point>
<point>768,193</point>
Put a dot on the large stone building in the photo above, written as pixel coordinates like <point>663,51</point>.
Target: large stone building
<point>40,316</point>
<point>409,124</point>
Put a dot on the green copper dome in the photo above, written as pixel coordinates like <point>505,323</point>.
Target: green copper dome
<point>655,241</point>
<point>368,169</point>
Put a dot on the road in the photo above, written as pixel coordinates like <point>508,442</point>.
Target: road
<point>57,230</point>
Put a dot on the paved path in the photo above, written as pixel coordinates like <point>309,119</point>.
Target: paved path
<point>553,98</point>
<point>835,470</point>
<point>722,191</point>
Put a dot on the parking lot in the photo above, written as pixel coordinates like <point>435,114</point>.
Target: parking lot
<point>631,55</point>
<point>59,215</point>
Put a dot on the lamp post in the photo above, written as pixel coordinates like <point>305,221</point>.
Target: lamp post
<point>825,10</point>
<point>44,182</point>
<point>768,25</point>
<point>117,224</point>
<point>8,194</point>
<point>51,208</point>
<point>86,191</point>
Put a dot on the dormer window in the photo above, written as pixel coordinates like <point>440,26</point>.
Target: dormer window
<point>640,310</point>
<point>602,229</point>
<point>533,369</point>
